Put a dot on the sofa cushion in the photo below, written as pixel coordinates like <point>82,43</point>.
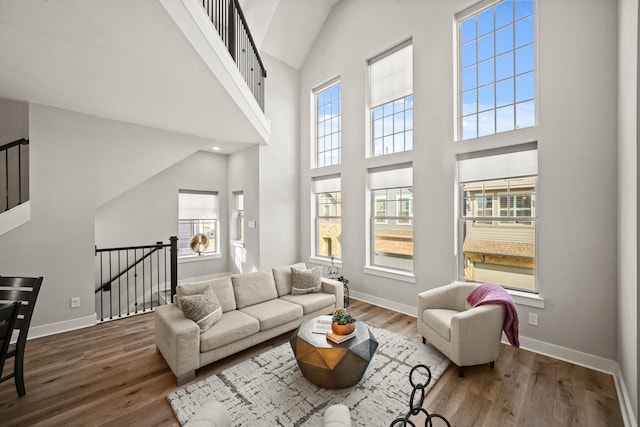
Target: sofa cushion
<point>439,319</point>
<point>221,286</point>
<point>274,313</point>
<point>253,288</point>
<point>311,302</point>
<point>204,309</point>
<point>306,281</point>
<point>282,277</point>
<point>231,327</point>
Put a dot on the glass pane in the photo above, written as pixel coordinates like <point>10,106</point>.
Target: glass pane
<point>335,157</point>
<point>469,102</point>
<point>335,125</point>
<point>469,54</point>
<point>486,99</point>
<point>398,142</point>
<point>525,114</point>
<point>321,129</point>
<point>320,160</point>
<point>398,105</point>
<point>388,108</point>
<point>524,59</point>
<point>377,112</point>
<point>504,13</point>
<point>393,245</point>
<point>335,141</point>
<point>504,40</point>
<point>524,87</point>
<point>408,119</point>
<point>377,128</point>
<point>388,145</point>
<point>387,128</point>
<point>327,158</point>
<point>523,8</point>
<point>377,147</point>
<point>398,122</point>
<point>486,123</point>
<point>485,47</point>
<point>335,108</point>
<point>504,66</point>
<point>320,144</point>
<point>504,92</point>
<point>469,78</point>
<point>485,22</point>
<point>524,32</point>
<point>505,119</point>
<point>408,102</point>
<point>468,29</point>
<point>335,92</point>
<point>486,72</point>
<point>469,126</point>
<point>408,140</point>
<point>321,100</point>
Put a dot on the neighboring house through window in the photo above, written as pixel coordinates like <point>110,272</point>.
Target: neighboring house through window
<point>238,215</point>
<point>328,212</point>
<point>496,68</point>
<point>497,225</point>
<point>391,235</point>
<point>391,100</point>
<point>328,129</point>
<point>197,214</point>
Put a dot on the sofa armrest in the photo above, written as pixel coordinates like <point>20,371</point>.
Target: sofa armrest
<point>476,333</point>
<point>178,339</point>
<point>335,287</point>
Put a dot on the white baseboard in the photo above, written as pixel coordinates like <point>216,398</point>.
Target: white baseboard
<point>64,326</point>
<point>587,360</point>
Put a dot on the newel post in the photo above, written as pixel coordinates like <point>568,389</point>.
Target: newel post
<point>174,264</point>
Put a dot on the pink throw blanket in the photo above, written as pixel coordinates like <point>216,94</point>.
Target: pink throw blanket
<point>494,294</point>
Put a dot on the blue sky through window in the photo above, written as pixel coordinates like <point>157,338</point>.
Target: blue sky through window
<point>329,135</point>
<point>497,66</point>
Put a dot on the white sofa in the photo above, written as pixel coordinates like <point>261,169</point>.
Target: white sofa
<point>256,307</point>
<point>467,336</point>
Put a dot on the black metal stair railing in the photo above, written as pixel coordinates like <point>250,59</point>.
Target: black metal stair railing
<point>14,175</point>
<point>228,19</point>
<point>135,279</point>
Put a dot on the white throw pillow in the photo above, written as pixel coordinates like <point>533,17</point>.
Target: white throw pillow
<point>306,281</point>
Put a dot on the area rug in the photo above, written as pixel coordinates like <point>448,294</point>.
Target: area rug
<point>269,389</point>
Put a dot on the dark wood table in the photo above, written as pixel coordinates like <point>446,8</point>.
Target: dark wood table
<point>330,365</point>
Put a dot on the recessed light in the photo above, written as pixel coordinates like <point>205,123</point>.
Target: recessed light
<point>215,148</point>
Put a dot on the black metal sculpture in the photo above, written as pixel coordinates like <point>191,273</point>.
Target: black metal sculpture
<point>415,406</point>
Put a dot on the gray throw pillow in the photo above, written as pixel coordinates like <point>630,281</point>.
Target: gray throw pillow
<point>306,281</point>
<point>204,309</point>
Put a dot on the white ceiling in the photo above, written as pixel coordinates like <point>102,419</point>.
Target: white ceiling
<point>128,61</point>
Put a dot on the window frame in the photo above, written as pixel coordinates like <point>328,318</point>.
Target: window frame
<point>326,186</point>
<point>529,104</point>
<point>215,251</point>
<point>316,125</point>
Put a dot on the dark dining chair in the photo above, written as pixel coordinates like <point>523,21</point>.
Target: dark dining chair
<point>25,290</point>
<point>8,317</point>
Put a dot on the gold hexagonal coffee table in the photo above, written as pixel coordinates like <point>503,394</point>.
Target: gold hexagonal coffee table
<point>329,365</point>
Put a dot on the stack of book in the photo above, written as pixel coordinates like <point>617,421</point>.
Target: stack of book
<point>339,339</point>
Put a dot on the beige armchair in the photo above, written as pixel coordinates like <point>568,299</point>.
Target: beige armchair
<point>467,336</point>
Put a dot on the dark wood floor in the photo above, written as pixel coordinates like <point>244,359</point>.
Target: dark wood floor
<point>111,375</point>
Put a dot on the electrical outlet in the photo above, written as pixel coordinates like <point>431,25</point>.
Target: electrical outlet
<point>75,302</point>
<point>533,319</point>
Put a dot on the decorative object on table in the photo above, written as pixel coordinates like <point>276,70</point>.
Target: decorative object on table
<point>269,389</point>
<point>415,402</point>
<point>199,243</point>
<point>342,323</point>
<point>333,273</point>
<point>339,339</point>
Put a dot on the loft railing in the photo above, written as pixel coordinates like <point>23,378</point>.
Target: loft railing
<point>14,174</point>
<point>135,279</point>
<point>229,21</point>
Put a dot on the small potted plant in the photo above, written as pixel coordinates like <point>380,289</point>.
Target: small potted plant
<point>342,323</point>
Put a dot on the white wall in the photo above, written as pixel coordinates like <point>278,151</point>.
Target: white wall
<point>576,136</point>
<point>628,114</point>
<point>278,170</point>
<point>78,162</point>
<point>148,213</point>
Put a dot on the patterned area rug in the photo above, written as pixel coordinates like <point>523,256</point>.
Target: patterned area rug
<point>269,389</point>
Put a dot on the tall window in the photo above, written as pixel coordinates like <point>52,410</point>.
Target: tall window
<point>238,215</point>
<point>328,126</point>
<point>391,92</point>
<point>392,218</point>
<point>328,230</point>
<point>197,214</point>
<point>496,69</point>
<point>498,220</point>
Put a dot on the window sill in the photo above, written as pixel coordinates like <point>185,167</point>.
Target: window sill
<point>195,258</point>
<point>522,298</point>
<point>325,261</point>
<point>403,276</point>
